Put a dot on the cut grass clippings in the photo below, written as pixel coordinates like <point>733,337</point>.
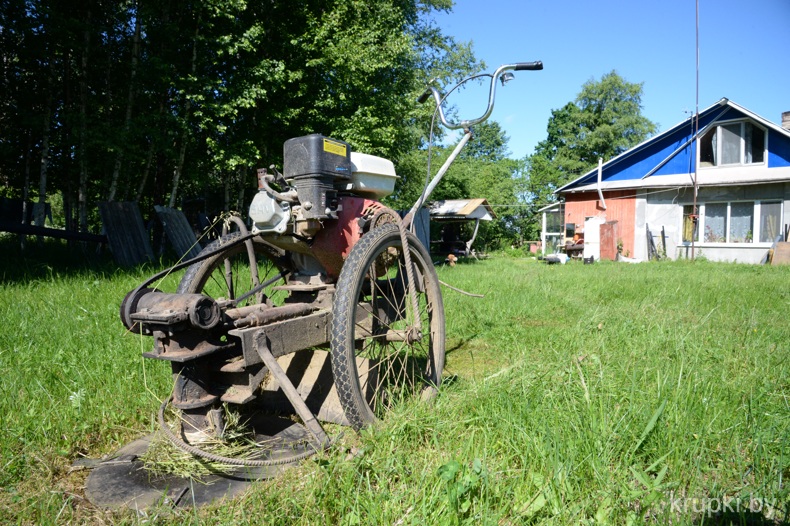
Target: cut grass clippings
<point>237,441</point>
<point>578,394</point>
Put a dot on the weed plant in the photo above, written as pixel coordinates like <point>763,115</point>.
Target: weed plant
<point>578,394</point>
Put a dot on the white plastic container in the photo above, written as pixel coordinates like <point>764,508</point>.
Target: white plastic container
<point>372,176</point>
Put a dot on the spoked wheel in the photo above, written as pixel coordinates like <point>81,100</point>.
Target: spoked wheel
<point>381,354</point>
<point>230,274</point>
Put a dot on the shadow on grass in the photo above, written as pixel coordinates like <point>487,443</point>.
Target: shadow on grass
<point>743,518</point>
<point>449,380</point>
<point>460,343</point>
<point>47,258</point>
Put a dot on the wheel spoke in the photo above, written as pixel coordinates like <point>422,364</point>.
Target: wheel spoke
<point>228,275</point>
<point>379,327</point>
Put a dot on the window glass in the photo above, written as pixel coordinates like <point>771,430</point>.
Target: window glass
<point>770,214</point>
<point>553,243</point>
<point>734,143</point>
<point>554,221</point>
<point>741,222</point>
<point>716,222</point>
<point>731,143</point>
<point>755,143</point>
<point>689,226</point>
<point>707,148</point>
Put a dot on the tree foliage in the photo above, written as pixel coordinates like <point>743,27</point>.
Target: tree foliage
<point>155,100</point>
<point>488,143</point>
<point>482,170</point>
<point>603,121</point>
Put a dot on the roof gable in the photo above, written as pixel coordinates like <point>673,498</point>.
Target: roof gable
<point>673,152</point>
<point>778,149</point>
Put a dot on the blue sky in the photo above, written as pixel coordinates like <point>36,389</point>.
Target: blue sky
<point>744,56</point>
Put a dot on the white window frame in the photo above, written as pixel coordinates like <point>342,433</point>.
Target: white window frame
<point>758,216</point>
<point>756,226</point>
<point>719,144</point>
<point>545,234</point>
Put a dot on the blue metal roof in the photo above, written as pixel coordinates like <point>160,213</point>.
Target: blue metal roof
<point>673,152</point>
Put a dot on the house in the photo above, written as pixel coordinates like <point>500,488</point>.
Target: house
<point>645,196</point>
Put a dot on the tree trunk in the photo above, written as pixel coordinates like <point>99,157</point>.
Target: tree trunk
<point>70,210</point>
<point>116,172</point>
<point>242,171</point>
<point>147,171</point>
<point>187,109</point>
<point>26,186</point>
<point>42,180</point>
<point>82,196</point>
<point>149,160</point>
<point>226,186</point>
<point>180,166</point>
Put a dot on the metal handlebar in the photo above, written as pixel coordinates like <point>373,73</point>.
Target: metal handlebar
<point>498,74</point>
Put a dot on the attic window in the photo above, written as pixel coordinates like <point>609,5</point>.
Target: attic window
<point>732,143</point>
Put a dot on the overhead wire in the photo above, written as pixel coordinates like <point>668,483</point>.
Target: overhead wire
<point>515,205</point>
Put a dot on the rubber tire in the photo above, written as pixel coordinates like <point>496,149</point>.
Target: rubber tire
<point>210,272</point>
<point>345,342</point>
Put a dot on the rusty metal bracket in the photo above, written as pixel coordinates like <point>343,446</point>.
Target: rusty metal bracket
<point>310,421</point>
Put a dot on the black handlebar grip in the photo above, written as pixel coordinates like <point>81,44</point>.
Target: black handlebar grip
<point>529,66</point>
<point>424,96</point>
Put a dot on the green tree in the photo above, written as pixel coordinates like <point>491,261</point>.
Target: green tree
<point>488,143</point>
<point>150,100</point>
<point>482,170</point>
<point>351,70</point>
<point>604,121</point>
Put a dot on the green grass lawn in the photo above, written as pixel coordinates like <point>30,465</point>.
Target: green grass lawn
<point>575,394</point>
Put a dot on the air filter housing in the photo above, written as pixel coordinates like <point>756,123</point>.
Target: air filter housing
<point>313,164</point>
<point>316,155</point>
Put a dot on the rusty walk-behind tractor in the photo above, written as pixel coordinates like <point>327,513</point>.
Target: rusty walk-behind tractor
<point>323,264</point>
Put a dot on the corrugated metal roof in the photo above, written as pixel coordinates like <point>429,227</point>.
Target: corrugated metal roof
<point>458,209</point>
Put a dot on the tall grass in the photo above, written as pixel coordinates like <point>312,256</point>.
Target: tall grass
<point>603,394</point>
<point>74,383</point>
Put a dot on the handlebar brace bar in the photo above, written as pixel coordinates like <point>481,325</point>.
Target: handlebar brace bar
<point>518,66</point>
